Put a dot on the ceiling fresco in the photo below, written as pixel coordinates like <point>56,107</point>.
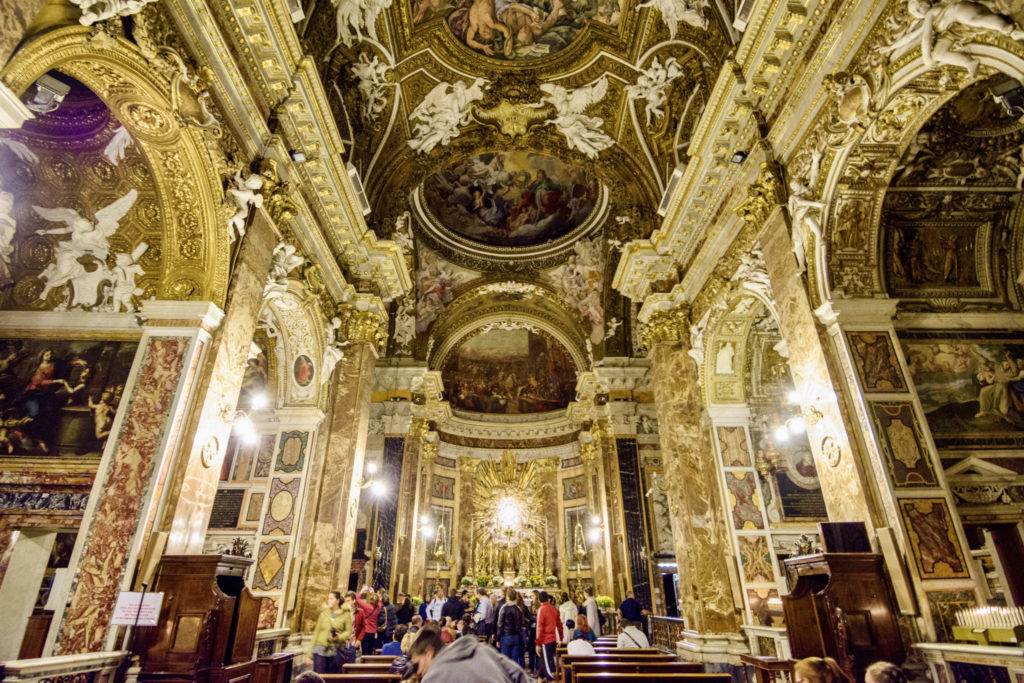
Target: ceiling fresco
<point>515,146</point>
<point>511,198</point>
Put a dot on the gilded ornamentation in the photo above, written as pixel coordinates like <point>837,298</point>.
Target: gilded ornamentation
<point>276,194</point>
<point>669,326</point>
<point>512,119</point>
<point>361,326</point>
<point>766,193</point>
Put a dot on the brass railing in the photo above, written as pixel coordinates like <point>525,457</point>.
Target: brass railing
<point>665,632</point>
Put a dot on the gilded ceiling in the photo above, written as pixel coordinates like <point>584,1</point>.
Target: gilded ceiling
<point>520,143</point>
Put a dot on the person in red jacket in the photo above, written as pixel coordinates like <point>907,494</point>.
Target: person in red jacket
<point>367,634</point>
<point>549,632</point>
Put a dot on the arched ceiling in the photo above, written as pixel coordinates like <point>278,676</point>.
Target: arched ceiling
<point>524,154</point>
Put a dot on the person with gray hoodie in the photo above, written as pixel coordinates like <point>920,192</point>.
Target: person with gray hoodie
<point>467,660</point>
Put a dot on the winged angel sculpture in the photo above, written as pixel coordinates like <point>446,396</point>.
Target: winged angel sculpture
<point>942,30</point>
<point>581,132</point>
<point>675,11</point>
<point>89,240</point>
<point>442,112</point>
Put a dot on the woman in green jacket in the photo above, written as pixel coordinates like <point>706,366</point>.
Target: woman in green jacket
<point>332,632</point>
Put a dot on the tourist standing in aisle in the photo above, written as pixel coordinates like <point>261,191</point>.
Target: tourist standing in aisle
<point>549,633</point>
<point>567,610</point>
<point>332,631</point>
<point>404,611</point>
<point>484,610</point>
<point>510,629</point>
<point>436,605</point>
<point>370,608</point>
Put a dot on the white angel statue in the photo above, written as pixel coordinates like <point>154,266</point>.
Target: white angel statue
<point>804,209</point>
<point>7,228</point>
<point>652,84</point>
<point>87,239</point>
<point>442,112</point>
<point>402,236</point>
<point>122,287</point>
<point>359,16</point>
<point>372,81</point>
<point>283,261</point>
<point>245,194</point>
<point>932,26</point>
<point>20,150</point>
<point>405,324</point>
<point>581,132</point>
<point>332,350</point>
<point>675,11</point>
<point>612,328</point>
<point>118,145</point>
<point>101,10</point>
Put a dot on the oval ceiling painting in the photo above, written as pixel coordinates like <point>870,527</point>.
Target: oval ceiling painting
<point>519,30</point>
<point>511,372</point>
<point>511,199</point>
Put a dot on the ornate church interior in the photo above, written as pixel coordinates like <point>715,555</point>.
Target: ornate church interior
<point>715,305</point>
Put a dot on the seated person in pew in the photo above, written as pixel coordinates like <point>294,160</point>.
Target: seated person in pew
<point>467,660</point>
<point>395,646</point>
<point>579,645</point>
<point>884,672</point>
<point>583,630</point>
<point>401,664</point>
<point>818,670</point>
<point>631,637</point>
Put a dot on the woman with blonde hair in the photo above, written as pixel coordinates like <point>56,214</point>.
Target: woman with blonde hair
<point>818,670</point>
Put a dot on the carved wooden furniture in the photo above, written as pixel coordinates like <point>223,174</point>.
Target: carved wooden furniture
<point>207,626</point>
<point>765,668</point>
<point>842,607</point>
<point>632,667</point>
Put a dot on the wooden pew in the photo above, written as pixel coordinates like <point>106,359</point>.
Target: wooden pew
<point>375,668</point>
<point>565,661</point>
<point>652,678</point>
<point>632,667</point>
<point>377,659</point>
<point>361,678</point>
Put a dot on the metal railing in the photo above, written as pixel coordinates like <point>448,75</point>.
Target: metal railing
<point>665,632</point>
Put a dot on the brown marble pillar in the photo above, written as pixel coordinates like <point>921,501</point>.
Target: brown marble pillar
<point>698,527</point>
<point>131,475</point>
<point>333,498</point>
<point>409,502</point>
<point>420,545</point>
<point>601,553</point>
<point>187,511</point>
<point>844,481</point>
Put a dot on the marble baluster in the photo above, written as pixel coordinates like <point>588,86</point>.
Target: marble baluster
<point>187,509</point>
<point>133,471</point>
<point>699,529</point>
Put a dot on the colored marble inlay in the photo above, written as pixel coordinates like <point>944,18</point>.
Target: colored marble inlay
<point>280,517</point>
<point>270,562</point>
<point>292,455</point>
<point>743,500</point>
<point>756,559</point>
<point>933,539</point>
<point>875,359</point>
<point>732,442</point>
<point>902,444</point>
<point>124,486</point>
<point>264,457</point>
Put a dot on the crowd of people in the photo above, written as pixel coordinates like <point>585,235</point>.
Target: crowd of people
<point>511,637</point>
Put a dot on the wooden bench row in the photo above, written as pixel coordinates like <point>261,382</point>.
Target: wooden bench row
<point>635,677</point>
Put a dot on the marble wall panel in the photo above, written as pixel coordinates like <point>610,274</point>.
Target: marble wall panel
<point>125,484</point>
<point>268,612</point>
<point>574,488</point>
<point>902,444</point>
<point>292,454</point>
<point>443,487</point>
<point>255,506</point>
<point>944,606</point>
<point>743,501</point>
<point>270,563</point>
<point>874,357</point>
<point>734,447</point>
<point>756,559</point>
<point>264,457</point>
<point>284,496</point>
<point>933,539</point>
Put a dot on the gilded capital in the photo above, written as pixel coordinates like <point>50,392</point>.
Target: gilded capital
<point>669,325</point>
<point>766,193</point>
<point>430,451</point>
<point>589,451</point>
<point>276,194</point>
<point>361,326</point>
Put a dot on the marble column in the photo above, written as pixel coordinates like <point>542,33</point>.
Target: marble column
<point>410,499</point>
<point>428,452</point>
<point>600,553</point>
<point>133,470</point>
<point>844,481</point>
<point>329,523</point>
<point>187,511</point>
<point>698,526</point>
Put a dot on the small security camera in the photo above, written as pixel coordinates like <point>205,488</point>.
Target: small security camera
<point>49,94</point>
<point>1010,95</point>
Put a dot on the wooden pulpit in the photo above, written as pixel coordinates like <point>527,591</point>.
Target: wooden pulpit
<point>842,606</point>
<point>208,621</point>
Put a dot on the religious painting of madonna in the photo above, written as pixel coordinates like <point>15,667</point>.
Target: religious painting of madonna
<point>60,397</point>
<point>510,371</point>
<point>969,386</point>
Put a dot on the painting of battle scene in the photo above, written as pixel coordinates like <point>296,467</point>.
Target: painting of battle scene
<point>60,397</point>
<point>518,30</point>
<point>968,386</point>
<point>510,371</point>
<point>511,199</point>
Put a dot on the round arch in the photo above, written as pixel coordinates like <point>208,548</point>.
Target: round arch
<point>294,321</point>
<point>196,242</point>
